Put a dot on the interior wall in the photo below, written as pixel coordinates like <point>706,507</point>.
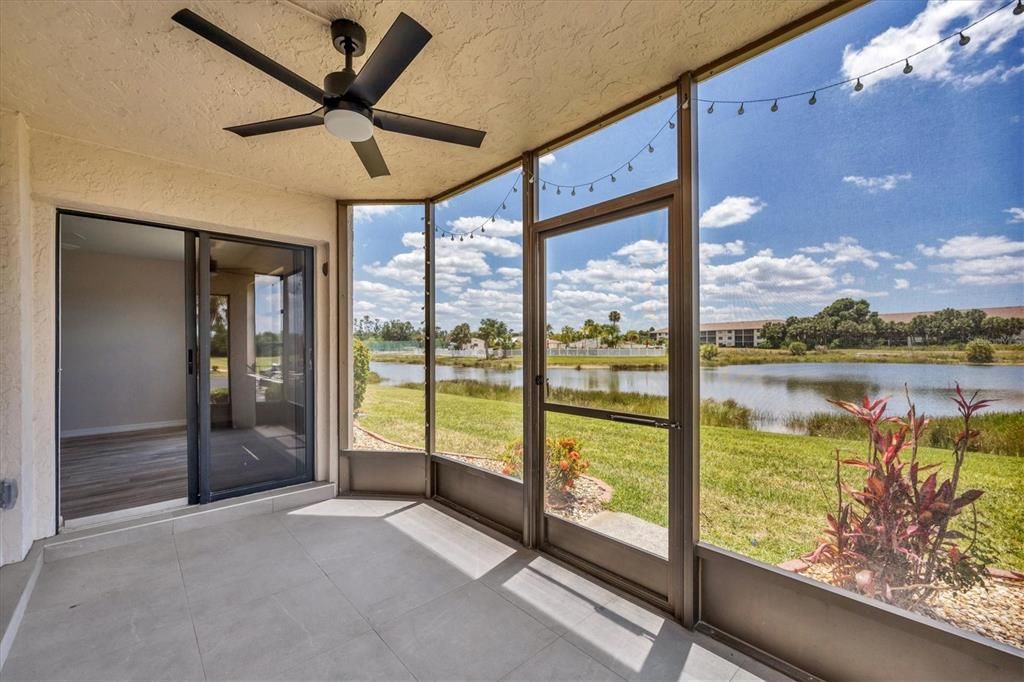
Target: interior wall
<point>49,172</point>
<point>122,343</point>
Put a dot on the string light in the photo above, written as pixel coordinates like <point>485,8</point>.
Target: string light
<point>858,86</point>
<point>960,33</point>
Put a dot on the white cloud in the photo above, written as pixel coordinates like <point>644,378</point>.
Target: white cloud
<point>979,260</point>
<point>367,212</point>
<point>972,246</point>
<point>498,284</point>
<point>872,184</point>
<point>847,278</point>
<point>995,74</point>
<point>847,250</point>
<point>510,273</point>
<point>1016,214</point>
<point>710,250</point>
<point>500,227</point>
<point>905,265</point>
<point>945,63</point>
<point>767,279</point>
<point>731,210</point>
<point>644,251</point>
<point>900,284</point>
<point>546,160</point>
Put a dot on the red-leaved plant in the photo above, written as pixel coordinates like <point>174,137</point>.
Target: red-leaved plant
<point>891,539</point>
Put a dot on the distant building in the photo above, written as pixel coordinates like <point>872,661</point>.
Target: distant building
<point>744,334</point>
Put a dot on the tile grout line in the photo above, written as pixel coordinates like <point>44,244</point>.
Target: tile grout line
<point>373,629</point>
<point>188,605</point>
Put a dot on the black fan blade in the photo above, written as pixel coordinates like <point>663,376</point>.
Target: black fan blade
<point>422,127</point>
<point>278,125</point>
<point>396,50</point>
<point>225,40</point>
<point>369,154</point>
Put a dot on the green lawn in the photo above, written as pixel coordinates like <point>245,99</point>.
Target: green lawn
<point>763,495</point>
<point>936,355</point>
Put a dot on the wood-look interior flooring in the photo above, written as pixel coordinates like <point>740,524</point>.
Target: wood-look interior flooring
<point>111,472</point>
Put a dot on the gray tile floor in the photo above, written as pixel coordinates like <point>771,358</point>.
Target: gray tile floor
<point>346,589</point>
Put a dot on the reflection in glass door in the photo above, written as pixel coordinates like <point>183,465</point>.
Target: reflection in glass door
<point>255,428</point>
<point>605,395</point>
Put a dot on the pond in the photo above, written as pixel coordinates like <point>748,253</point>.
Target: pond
<point>779,389</point>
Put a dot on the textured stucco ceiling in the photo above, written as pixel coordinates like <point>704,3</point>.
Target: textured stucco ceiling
<point>122,74</point>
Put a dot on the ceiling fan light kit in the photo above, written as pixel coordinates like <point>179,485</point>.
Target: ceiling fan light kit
<point>347,99</point>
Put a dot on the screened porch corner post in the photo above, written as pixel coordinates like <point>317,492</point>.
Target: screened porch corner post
<point>684,393</point>
<point>533,368</point>
<point>429,346</point>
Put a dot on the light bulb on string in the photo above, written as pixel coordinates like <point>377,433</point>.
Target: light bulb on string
<point>503,207</point>
<point>814,99</point>
<point>907,68</point>
<point>1019,9</point>
<point>558,190</point>
<point>650,149</point>
<point>482,229</point>
<point>470,235</point>
<point>671,125</point>
<point>711,109</point>
<point>573,193</point>
<point>613,177</point>
<point>543,187</point>
<point>529,178</point>
<point>740,110</point>
<point>629,167</point>
<point>686,102</point>
<point>453,237</point>
<point>461,238</point>
<point>775,106</point>
<point>492,219</point>
<point>514,188</point>
<point>964,39</point>
<point>858,87</point>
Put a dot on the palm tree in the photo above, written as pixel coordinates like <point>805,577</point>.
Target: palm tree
<point>614,317</point>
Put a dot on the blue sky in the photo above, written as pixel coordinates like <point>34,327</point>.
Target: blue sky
<point>909,193</point>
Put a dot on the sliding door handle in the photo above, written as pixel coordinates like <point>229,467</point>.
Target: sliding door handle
<point>190,360</point>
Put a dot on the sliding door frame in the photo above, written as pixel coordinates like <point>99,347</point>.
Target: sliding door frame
<point>192,244</point>
<point>204,425</point>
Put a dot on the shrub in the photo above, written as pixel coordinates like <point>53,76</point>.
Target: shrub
<point>798,348</point>
<point>360,372</point>
<point>892,541</point>
<point>726,413</point>
<point>563,463</point>
<point>980,350</point>
<point>220,396</point>
<point>708,351</point>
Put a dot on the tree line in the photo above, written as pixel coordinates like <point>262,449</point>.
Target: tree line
<point>849,323</point>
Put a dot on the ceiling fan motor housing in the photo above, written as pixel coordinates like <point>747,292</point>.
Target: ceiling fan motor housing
<point>347,32</point>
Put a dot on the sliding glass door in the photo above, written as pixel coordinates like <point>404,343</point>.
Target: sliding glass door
<point>255,385</point>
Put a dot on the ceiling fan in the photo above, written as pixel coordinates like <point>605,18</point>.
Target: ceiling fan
<point>346,101</point>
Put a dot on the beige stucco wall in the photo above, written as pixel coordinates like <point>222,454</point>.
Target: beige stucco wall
<point>44,172</point>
